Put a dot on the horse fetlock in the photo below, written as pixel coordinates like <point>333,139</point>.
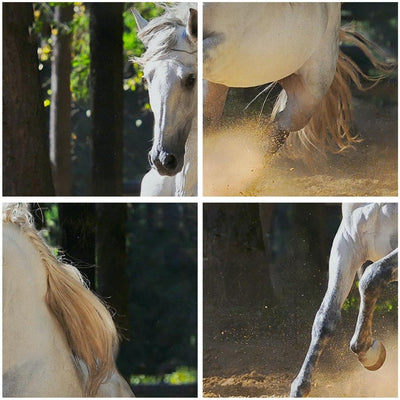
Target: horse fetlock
<point>374,358</point>
<point>359,346</point>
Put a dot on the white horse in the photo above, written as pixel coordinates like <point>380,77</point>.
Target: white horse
<point>297,45</point>
<point>170,70</point>
<point>368,232</point>
<point>59,340</point>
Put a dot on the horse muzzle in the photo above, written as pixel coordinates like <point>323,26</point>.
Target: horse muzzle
<point>167,164</point>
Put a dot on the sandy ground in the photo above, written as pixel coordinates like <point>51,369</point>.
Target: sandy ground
<point>249,359</point>
<point>236,164</point>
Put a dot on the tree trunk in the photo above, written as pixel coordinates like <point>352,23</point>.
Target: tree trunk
<point>106,66</point>
<point>77,223</point>
<point>112,276</point>
<point>60,107</point>
<point>299,259</point>
<point>236,269</point>
<point>26,162</point>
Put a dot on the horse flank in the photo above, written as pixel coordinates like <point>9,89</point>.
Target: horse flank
<point>329,127</point>
<point>86,322</point>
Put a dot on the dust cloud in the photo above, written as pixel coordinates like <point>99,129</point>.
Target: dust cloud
<point>233,161</point>
<point>236,163</point>
<point>355,381</point>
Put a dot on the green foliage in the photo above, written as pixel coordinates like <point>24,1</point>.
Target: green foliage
<point>80,49</point>
<point>181,376</point>
<point>52,233</point>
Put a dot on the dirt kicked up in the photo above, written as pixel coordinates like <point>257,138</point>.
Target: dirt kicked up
<point>236,163</point>
<point>264,365</point>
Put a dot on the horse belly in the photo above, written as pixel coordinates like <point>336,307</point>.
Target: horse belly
<point>255,43</point>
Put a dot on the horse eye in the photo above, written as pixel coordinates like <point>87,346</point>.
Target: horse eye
<point>190,80</point>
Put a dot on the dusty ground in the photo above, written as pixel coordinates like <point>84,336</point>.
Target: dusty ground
<point>244,357</point>
<point>236,164</point>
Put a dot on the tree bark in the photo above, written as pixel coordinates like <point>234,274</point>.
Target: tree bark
<point>112,276</point>
<point>26,162</point>
<point>106,66</point>
<point>60,107</point>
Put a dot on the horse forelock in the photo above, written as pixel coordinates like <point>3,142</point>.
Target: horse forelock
<point>84,319</point>
<point>161,33</point>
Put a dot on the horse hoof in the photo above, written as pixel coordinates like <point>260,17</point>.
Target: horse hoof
<point>374,357</point>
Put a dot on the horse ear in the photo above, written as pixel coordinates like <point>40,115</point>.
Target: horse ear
<point>191,27</point>
<point>140,21</point>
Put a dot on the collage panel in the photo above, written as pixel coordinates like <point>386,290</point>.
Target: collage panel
<point>99,300</point>
<point>231,291</point>
<point>300,99</point>
<point>111,107</point>
<point>281,278</point>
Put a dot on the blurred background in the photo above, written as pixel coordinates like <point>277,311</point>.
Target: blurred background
<point>142,260</point>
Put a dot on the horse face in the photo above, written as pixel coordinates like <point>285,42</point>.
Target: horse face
<point>172,85</point>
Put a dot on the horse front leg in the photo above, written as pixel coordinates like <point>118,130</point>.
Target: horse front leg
<point>214,101</point>
<point>343,264</point>
<point>371,353</point>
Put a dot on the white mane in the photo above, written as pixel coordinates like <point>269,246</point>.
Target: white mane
<point>162,31</point>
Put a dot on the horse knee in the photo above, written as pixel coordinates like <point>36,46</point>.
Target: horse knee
<point>325,323</point>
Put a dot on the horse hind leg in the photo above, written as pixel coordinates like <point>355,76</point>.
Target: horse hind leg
<point>371,353</point>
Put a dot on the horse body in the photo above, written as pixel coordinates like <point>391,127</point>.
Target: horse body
<point>368,232</point>
<point>252,44</point>
<point>40,354</point>
<point>296,45</point>
<point>170,69</point>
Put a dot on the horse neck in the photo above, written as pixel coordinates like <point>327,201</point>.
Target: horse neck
<point>64,302</point>
<point>186,180</point>
<point>29,326</point>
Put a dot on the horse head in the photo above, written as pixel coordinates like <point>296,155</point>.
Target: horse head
<point>170,70</point>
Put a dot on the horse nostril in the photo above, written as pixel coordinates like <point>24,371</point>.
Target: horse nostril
<point>170,162</point>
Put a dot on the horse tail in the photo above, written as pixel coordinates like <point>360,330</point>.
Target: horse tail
<point>88,325</point>
<point>329,129</point>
